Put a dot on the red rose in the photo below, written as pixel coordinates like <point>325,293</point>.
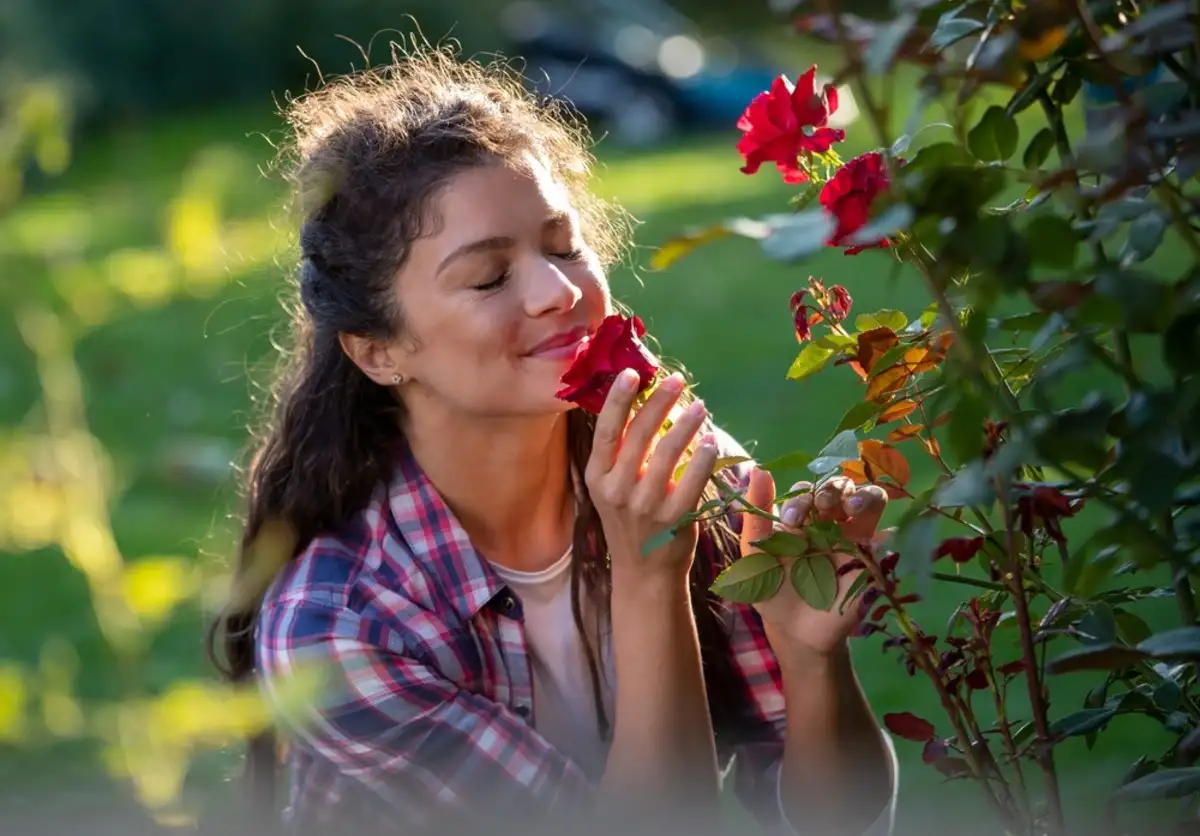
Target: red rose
<point>614,347</point>
<point>782,123</point>
<point>848,196</point>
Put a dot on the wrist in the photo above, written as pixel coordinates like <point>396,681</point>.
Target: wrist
<point>794,654</point>
<point>635,584</point>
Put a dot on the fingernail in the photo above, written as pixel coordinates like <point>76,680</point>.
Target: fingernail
<point>674,382</point>
<point>855,503</point>
<point>790,516</point>
<point>627,380</point>
<point>708,440</point>
<point>696,409</point>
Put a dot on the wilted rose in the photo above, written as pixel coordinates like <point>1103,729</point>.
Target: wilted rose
<point>615,346</point>
<point>782,123</point>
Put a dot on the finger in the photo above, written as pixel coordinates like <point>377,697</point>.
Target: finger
<point>643,428</point>
<point>664,460</point>
<point>761,494</point>
<point>863,508</point>
<point>831,497</point>
<point>610,423</point>
<point>797,511</point>
<point>685,496</point>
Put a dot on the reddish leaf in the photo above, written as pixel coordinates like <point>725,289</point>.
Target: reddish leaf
<point>919,359</point>
<point>977,679</point>
<point>888,564</point>
<point>855,471</point>
<point>1059,295</point>
<point>904,433</point>
<point>952,767</point>
<point>880,612</point>
<point>872,345</point>
<point>886,382</point>
<point>896,411</point>
<point>959,549</point>
<point>1011,668</point>
<point>934,751</point>
<point>910,598</point>
<point>909,726</point>
<point>885,459</point>
<point>931,444</point>
<point>894,491</point>
<point>850,566</point>
<point>942,420</point>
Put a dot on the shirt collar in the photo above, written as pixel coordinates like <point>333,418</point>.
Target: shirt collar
<point>438,542</point>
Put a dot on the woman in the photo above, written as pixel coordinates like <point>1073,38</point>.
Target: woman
<point>465,548</point>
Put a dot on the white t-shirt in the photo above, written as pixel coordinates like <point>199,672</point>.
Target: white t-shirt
<point>563,706</point>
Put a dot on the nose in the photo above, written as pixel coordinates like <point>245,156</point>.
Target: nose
<point>550,290</point>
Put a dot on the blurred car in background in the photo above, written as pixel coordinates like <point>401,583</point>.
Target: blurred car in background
<point>638,68</point>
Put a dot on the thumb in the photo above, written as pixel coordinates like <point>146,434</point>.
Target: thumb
<point>761,494</point>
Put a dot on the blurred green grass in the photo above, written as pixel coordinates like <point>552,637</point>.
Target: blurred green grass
<point>174,360</point>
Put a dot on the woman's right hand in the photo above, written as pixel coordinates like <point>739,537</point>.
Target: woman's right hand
<point>634,491</point>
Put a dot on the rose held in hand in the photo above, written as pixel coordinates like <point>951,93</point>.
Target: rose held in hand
<point>615,346</point>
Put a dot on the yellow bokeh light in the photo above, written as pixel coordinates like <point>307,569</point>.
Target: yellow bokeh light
<point>154,586</point>
<point>14,696</point>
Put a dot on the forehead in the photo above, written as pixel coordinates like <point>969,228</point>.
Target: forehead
<point>498,199</point>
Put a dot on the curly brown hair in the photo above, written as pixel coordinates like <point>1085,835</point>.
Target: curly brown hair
<point>368,153</point>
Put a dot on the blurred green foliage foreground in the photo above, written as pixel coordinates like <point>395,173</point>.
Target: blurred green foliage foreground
<point>140,288</point>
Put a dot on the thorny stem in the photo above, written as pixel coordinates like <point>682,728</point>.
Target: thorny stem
<point>1010,745</point>
<point>1037,702</point>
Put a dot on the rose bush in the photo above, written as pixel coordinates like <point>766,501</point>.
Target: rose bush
<point>1051,382</point>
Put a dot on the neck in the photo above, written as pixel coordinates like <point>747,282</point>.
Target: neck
<point>507,482</point>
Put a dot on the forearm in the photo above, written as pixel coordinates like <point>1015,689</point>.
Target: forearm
<point>662,749</point>
<point>837,767</point>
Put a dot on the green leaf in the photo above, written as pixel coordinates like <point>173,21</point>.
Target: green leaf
<point>969,486</point>
<point>795,459</point>
<point>794,237</point>
<point>952,29</point>
<point>1132,628</point>
<point>1145,235</point>
<point>994,138</point>
<point>1052,241</point>
<point>858,415</point>
<point>965,432</point>
<point>815,580</point>
<point>1031,321</point>
<point>895,219</point>
<point>880,319</point>
<point>1100,625</point>
<point>753,578</point>
<point>1082,722</point>
<point>1180,644</point>
<point>1168,695</point>
<point>676,248</point>
<point>838,342</point>
<point>916,542</point>
<point>843,447</point>
<point>879,54</point>
<point>1165,783</point>
<point>782,544</point>
<point>1067,87</point>
<point>1181,343</point>
<point>659,540</point>
<point>1039,148</point>
<point>1096,657</point>
<point>855,589</point>
<point>811,359</point>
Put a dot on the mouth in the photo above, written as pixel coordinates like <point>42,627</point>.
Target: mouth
<point>562,346</point>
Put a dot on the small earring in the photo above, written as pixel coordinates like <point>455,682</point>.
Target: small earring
<point>397,379</point>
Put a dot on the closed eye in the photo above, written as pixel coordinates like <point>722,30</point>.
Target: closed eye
<point>573,255</point>
<point>496,283</point>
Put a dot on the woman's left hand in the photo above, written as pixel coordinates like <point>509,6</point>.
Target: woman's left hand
<point>857,510</point>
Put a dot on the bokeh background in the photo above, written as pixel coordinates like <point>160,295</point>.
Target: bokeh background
<point>144,251</point>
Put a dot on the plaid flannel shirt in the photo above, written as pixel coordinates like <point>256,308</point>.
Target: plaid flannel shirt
<point>428,710</point>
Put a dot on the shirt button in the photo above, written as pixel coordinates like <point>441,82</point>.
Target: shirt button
<point>508,603</point>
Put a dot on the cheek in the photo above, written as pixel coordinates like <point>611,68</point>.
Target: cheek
<point>593,285</point>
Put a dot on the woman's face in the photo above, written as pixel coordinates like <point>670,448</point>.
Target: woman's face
<point>496,301</point>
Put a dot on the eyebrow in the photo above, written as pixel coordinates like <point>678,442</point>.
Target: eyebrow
<point>557,220</point>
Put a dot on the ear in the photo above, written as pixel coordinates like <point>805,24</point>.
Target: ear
<point>376,357</point>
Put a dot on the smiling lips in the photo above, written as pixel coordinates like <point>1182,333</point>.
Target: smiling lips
<point>562,346</point>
